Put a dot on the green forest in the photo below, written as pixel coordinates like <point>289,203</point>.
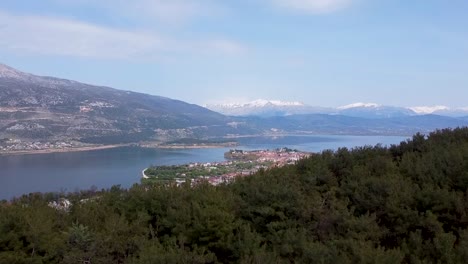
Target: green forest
<point>405,203</point>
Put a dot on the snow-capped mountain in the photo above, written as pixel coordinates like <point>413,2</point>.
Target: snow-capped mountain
<point>263,107</point>
<point>424,110</point>
<point>373,110</point>
<point>260,103</point>
<point>281,108</point>
<point>358,105</point>
<point>441,110</point>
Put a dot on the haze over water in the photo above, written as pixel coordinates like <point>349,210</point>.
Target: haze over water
<point>55,172</point>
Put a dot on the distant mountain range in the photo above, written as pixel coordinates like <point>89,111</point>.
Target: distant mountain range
<point>48,109</point>
<point>266,108</point>
<point>347,125</point>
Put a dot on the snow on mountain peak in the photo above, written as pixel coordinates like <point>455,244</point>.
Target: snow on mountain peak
<point>287,103</point>
<point>263,103</point>
<point>259,103</point>
<point>263,107</point>
<point>428,109</point>
<point>356,105</point>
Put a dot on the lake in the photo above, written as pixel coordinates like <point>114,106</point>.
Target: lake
<point>55,172</point>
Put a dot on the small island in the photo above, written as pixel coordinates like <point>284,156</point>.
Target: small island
<point>239,163</point>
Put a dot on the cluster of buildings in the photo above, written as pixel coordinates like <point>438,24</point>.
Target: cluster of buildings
<point>18,145</point>
<point>228,177</point>
<point>279,157</point>
<point>241,163</point>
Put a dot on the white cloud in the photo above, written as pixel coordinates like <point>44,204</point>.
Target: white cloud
<point>54,36</point>
<point>313,6</point>
<point>161,10</point>
<point>224,46</point>
<point>165,10</point>
<point>64,37</point>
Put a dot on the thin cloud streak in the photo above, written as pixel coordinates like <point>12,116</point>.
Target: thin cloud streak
<point>313,6</point>
<point>172,11</point>
<point>166,11</point>
<point>224,46</point>
<point>64,37</point>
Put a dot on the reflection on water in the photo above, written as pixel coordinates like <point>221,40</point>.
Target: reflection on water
<point>72,171</point>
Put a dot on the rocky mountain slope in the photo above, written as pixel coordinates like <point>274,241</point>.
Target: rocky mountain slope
<point>46,108</point>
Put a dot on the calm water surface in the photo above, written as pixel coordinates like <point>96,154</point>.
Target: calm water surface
<point>21,174</point>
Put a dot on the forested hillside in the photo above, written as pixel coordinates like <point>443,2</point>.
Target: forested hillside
<point>402,204</point>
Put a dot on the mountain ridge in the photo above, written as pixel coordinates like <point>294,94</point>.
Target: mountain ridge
<point>48,108</point>
<point>39,112</point>
<point>359,109</point>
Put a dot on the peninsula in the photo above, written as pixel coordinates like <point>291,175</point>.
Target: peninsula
<point>239,163</point>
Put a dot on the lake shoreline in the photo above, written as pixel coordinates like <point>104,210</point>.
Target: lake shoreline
<point>189,146</point>
<point>102,147</point>
<point>149,145</point>
<point>74,171</point>
<point>64,150</point>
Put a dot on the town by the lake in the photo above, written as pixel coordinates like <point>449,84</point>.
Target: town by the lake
<point>239,163</point>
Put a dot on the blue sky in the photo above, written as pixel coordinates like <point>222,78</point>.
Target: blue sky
<point>320,52</point>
